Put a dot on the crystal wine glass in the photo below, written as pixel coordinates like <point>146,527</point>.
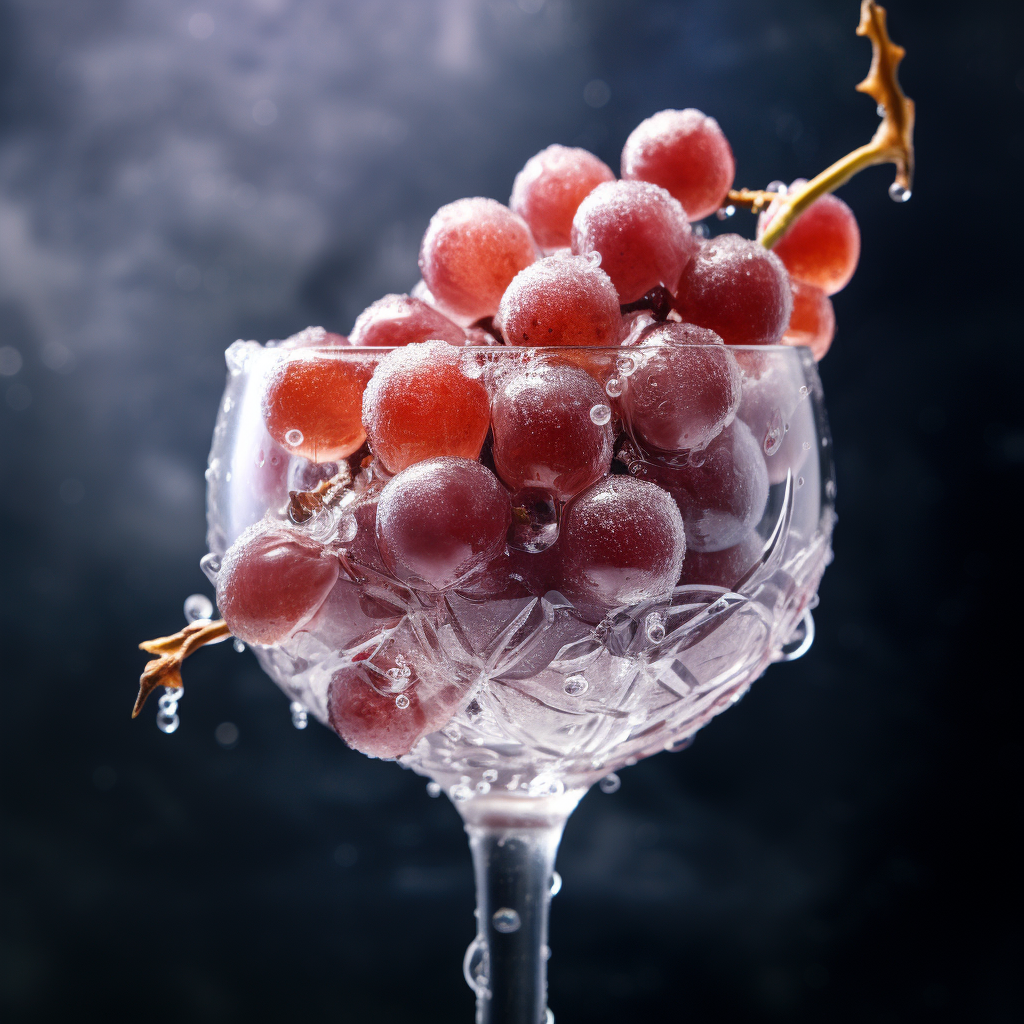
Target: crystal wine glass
<point>563,654</point>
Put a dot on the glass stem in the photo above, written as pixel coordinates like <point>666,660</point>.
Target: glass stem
<point>514,865</point>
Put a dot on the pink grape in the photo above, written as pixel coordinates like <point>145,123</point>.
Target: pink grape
<point>271,582</point>
<point>470,253</point>
<point>622,543</point>
<point>551,186</point>
<point>421,403</point>
<point>813,321</point>
<point>400,320</point>
<point>545,435</point>
<point>738,289</point>
<point>441,521</point>
<point>721,494</point>
<point>822,247</point>
<point>364,705</point>
<point>686,389</point>
<point>640,231</point>
<point>685,152</point>
<point>560,300</point>
<point>312,404</point>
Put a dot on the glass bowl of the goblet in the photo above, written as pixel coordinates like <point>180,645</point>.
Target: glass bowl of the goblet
<point>532,675</point>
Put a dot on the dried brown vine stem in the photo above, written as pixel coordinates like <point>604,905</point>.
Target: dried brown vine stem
<point>171,651</point>
<point>893,142</point>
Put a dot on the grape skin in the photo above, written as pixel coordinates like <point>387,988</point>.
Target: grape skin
<point>640,231</point>
<point>722,494</point>
<point>544,435</point>
<point>822,246</point>
<point>549,189</point>
<point>396,320</point>
<point>622,542</point>
<point>271,582</point>
<point>813,321</point>
<point>685,391</point>
<point>738,289</point>
<point>320,395</point>
<point>559,301</point>
<point>420,404</point>
<point>467,517</point>
<point>685,152</point>
<point>471,251</point>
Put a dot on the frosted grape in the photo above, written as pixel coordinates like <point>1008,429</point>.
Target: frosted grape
<point>813,321</point>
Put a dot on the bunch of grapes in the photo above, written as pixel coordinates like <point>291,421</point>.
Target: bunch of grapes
<point>623,442</point>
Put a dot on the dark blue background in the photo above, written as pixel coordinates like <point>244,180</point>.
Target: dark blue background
<point>838,847</point>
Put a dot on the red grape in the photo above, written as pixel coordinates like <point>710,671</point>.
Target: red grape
<point>813,321</point>
<point>622,543</point>
<point>421,403</point>
<point>441,521</point>
<point>312,404</point>
<point>383,704</point>
<point>470,253</point>
<point>272,581</point>
<point>400,320</point>
<point>560,300</point>
<point>738,289</point>
<point>640,231</point>
<point>551,186</point>
<point>822,246</point>
<point>723,568</point>
<point>546,433</point>
<point>721,493</point>
<point>315,337</point>
<point>686,389</point>
<point>685,152</point>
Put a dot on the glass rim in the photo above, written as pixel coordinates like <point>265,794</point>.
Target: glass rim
<point>538,349</point>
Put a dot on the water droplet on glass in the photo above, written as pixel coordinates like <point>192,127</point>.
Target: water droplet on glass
<point>505,920</point>
<point>600,414</point>
<point>300,714</point>
<point>453,732</point>
<point>260,458</point>
<point>239,646</point>
<point>534,520</point>
<point>610,783</point>
<point>655,627</point>
<point>799,481</point>
<point>830,488</point>
<point>210,565</point>
<point>483,788</point>
<point>476,965</point>
<point>294,437</point>
<point>594,257</point>
<point>490,775</point>
<point>545,785</point>
<point>549,1017</point>
<point>701,230</point>
<point>625,365</point>
<point>630,761</point>
<point>236,356</point>
<point>460,792</point>
<point>898,194</point>
<point>433,789</point>
<point>613,387</point>
<point>347,528</point>
<point>774,433</point>
<point>806,446</point>
<point>401,702</point>
<point>198,607</point>
<point>575,685</point>
<point>804,390</point>
<point>556,883</point>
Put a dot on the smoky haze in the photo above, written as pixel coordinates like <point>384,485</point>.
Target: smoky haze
<point>175,176</point>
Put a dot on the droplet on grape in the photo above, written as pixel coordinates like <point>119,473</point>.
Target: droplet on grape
<point>293,438</point>
<point>613,387</point>
<point>534,520</point>
<point>401,702</point>
<point>600,414</point>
